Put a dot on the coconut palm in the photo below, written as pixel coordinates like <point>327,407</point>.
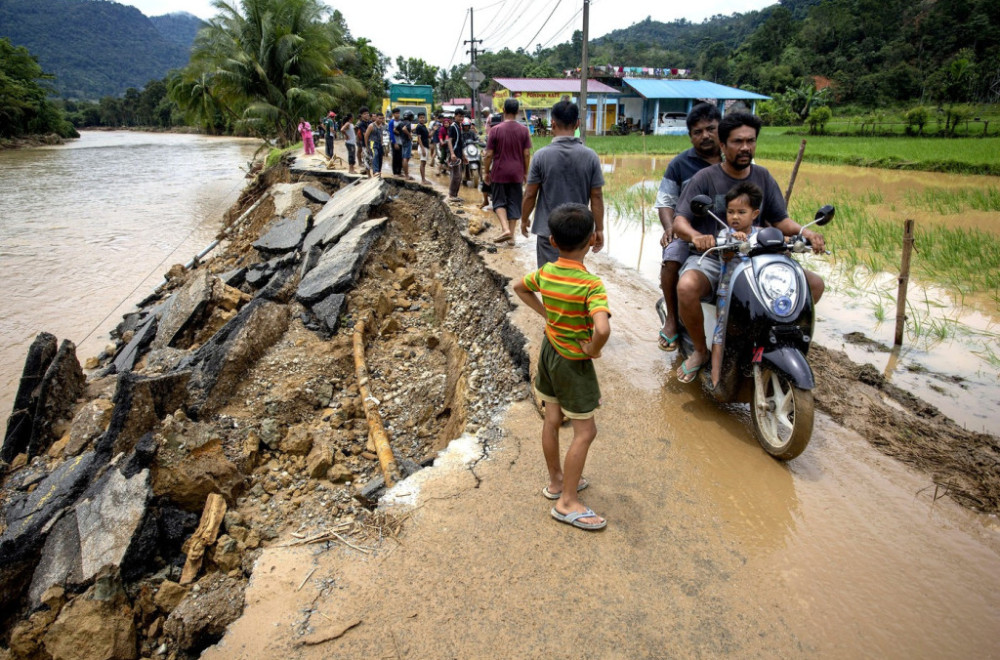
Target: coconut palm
<point>269,62</point>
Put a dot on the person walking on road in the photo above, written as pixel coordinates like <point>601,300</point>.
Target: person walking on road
<point>505,167</point>
<point>330,128</point>
<point>373,142</point>
<point>703,130</point>
<point>456,155</point>
<point>564,172</point>
<point>423,136</point>
<point>574,304</point>
<point>350,141</point>
<point>394,145</point>
<point>306,131</point>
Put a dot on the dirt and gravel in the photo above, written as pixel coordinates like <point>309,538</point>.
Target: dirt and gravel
<point>464,561</point>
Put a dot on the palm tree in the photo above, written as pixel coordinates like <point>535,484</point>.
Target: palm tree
<point>269,62</point>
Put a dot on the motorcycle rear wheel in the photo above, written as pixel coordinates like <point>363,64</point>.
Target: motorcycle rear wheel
<point>782,415</point>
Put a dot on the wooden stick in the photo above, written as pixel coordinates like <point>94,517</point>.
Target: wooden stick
<point>376,428</point>
<point>306,579</point>
<point>904,280</point>
<point>795,171</point>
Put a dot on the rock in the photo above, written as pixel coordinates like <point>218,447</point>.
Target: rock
<point>189,479</point>
<point>320,460</point>
<point>58,447</point>
<point>54,598</point>
<point>26,636</point>
<point>197,623</point>
<point>389,327</point>
<point>346,207</point>
<point>338,268</point>
<point>177,270</point>
<point>234,277</point>
<point>283,236</point>
<point>142,338</point>
<point>109,519</point>
<point>97,625</point>
<point>221,363</point>
<point>140,403</point>
<point>90,421</point>
<point>169,596</point>
<point>270,433</point>
<point>407,280</point>
<point>60,564</point>
<point>476,226</point>
<point>184,310</point>
<point>339,473</point>
<point>329,310</point>
<point>91,363</point>
<point>29,517</point>
<point>314,194</point>
<point>227,554</point>
<point>52,399</point>
<point>298,441</point>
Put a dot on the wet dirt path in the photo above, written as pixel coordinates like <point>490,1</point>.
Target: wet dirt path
<point>712,548</point>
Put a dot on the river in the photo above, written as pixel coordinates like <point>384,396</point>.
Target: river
<point>87,229</point>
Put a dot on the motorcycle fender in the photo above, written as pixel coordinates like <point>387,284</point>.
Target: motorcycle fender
<point>789,362</point>
<point>473,166</point>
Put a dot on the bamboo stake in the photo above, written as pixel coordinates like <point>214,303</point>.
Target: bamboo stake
<point>795,171</point>
<point>642,222</point>
<point>376,428</point>
<point>904,280</point>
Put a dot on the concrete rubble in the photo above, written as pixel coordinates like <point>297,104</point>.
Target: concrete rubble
<point>230,398</point>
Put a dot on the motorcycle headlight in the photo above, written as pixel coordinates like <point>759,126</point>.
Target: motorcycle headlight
<point>778,284</point>
<point>472,151</point>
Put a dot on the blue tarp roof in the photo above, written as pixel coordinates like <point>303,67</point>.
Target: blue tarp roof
<point>652,88</point>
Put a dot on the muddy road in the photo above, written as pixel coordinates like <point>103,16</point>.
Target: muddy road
<point>712,548</point>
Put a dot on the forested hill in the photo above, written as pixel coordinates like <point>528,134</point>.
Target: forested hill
<point>97,48</point>
<point>873,51</point>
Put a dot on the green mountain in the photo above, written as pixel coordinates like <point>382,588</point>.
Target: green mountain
<point>95,47</point>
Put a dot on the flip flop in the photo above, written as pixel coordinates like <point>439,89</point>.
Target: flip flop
<point>504,238</point>
<point>686,375</point>
<point>574,519</point>
<point>668,344</point>
<point>549,495</point>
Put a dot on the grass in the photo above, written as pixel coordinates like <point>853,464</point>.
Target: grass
<point>961,155</point>
<point>275,154</point>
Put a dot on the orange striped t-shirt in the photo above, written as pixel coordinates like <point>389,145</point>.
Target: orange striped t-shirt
<point>571,296</point>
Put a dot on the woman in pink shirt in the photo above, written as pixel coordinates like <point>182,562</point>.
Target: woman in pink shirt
<point>306,131</point>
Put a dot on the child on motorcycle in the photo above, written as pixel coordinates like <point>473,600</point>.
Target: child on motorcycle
<point>742,209</point>
<point>575,306</point>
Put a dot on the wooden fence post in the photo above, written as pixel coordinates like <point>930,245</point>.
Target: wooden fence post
<point>795,171</point>
<point>904,279</point>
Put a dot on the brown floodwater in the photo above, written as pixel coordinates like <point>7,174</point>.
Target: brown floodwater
<point>87,229</point>
<point>956,369</point>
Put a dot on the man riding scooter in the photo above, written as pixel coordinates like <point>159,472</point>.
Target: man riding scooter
<point>700,277</point>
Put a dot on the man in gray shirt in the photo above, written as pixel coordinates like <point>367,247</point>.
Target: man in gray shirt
<point>563,172</point>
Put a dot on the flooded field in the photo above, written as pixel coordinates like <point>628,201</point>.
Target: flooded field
<point>951,350</point>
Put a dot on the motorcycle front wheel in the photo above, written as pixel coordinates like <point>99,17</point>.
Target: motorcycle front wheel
<point>782,415</point>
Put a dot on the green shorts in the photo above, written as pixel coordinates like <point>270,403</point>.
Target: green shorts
<point>570,383</point>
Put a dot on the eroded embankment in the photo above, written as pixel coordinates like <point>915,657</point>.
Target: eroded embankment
<point>237,379</point>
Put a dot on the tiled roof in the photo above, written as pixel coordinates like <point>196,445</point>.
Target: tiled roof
<point>554,85</point>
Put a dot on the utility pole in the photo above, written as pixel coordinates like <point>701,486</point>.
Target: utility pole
<point>472,40</point>
<point>472,67</point>
<point>583,72</point>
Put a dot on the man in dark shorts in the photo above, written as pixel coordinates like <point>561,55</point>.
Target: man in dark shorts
<point>363,156</point>
<point>423,144</point>
<point>456,155</point>
<point>703,130</point>
<point>505,167</point>
<point>738,133</point>
<point>395,144</point>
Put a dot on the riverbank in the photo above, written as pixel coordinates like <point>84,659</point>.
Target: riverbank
<point>30,141</point>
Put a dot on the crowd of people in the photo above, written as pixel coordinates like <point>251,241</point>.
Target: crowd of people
<point>557,195</point>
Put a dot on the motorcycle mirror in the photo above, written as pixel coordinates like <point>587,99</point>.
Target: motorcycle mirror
<point>824,215</point>
<point>700,204</point>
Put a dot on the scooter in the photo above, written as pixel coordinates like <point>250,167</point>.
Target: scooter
<point>768,332</point>
<point>473,154</point>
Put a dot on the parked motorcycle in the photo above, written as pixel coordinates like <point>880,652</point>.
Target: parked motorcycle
<point>473,150</point>
<point>767,335</point>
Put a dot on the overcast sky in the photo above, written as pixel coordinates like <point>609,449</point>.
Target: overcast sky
<point>437,28</point>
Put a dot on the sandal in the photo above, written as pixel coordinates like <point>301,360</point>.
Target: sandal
<point>573,518</point>
<point>686,375</point>
<point>549,495</point>
<point>668,344</point>
<point>503,238</point>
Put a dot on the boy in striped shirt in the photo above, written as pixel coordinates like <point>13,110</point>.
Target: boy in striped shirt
<point>575,306</point>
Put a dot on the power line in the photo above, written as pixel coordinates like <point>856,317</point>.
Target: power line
<point>490,24</point>
<point>505,24</point>
<point>560,30</point>
<point>558,2</point>
<point>459,42</point>
<point>519,29</point>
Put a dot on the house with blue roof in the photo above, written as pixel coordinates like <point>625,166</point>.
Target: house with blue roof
<point>659,106</point>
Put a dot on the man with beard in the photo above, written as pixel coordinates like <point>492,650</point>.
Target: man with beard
<point>703,130</point>
<point>699,277</point>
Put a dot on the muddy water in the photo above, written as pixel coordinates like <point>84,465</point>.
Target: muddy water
<point>88,229</point>
<point>959,373</point>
